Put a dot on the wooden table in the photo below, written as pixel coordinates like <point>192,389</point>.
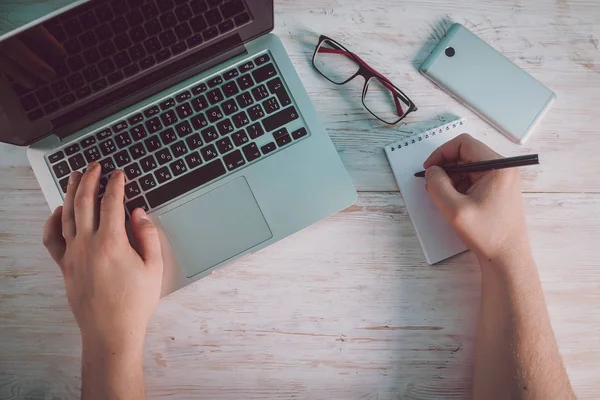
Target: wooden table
<point>348,308</point>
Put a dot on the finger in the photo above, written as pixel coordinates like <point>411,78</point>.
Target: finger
<point>24,57</point>
<point>463,185</point>
<point>146,237</point>
<point>9,67</point>
<point>463,148</point>
<point>85,199</point>
<point>68,211</point>
<point>40,35</point>
<point>53,238</point>
<point>112,211</point>
<point>443,193</point>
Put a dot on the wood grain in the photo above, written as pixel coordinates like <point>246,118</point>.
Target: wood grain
<point>347,308</point>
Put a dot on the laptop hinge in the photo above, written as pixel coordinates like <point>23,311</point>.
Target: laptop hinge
<point>147,85</point>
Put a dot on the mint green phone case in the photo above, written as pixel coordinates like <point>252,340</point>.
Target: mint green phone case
<point>484,80</point>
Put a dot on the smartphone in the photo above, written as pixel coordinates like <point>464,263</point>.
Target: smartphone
<point>488,83</point>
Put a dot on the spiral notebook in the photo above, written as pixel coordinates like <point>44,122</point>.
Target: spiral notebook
<point>438,239</point>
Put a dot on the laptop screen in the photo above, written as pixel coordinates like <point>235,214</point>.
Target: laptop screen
<point>70,70</point>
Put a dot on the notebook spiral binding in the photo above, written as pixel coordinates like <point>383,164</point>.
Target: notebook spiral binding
<point>425,135</point>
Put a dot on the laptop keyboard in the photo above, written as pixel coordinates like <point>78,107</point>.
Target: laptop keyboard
<point>181,142</point>
<point>108,42</point>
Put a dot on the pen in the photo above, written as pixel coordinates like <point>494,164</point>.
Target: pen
<point>509,162</point>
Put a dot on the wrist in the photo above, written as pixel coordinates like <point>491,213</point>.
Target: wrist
<point>114,345</point>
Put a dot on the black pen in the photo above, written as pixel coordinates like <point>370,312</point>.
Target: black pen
<point>509,162</point>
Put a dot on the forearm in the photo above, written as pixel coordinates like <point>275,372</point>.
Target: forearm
<point>112,371</point>
<point>516,352</point>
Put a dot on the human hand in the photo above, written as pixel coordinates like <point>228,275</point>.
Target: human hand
<point>485,208</point>
<point>112,289</point>
<point>24,57</point>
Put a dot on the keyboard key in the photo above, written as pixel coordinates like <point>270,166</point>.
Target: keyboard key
<point>178,149</point>
<point>149,112</point>
<point>77,162</point>
<point>134,18</point>
<point>121,59</point>
<point>194,141</point>
<point>183,13</point>
<point>163,55</point>
<point>152,27</point>
<point>262,59</point>
<point>152,143</point>
<point>122,158</point>
<point>244,99</point>
<point>137,151</point>
<point>138,132</point>
<point>183,96</point>
<point>163,174</point>
<point>132,189</point>
<point>240,119</point>
<point>215,96</point>
<point>153,125</point>
<point>59,155</point>
<point>167,38</point>
<point>168,20</point>
<point>132,171</point>
<point>83,92</point>
<point>168,136</point>
<point>255,112</point>
<point>106,66</point>
<point>44,95</point>
<point>92,154</point>
<point>99,85</point>
<point>72,149</point>
<point>193,160</point>
<point>72,27</point>
<point>251,152</point>
<point>148,163</point>
<point>108,147</point>
<point>75,81</point>
<point>103,13</point>
<point>131,70</point>
<point>115,77</point>
<point>123,140</point>
<point>107,49</point>
<point>280,118</point>
<point>119,7</point>
<point>168,117</point>
<point>276,87</point>
<point>147,62</point>
<point>226,26</point>
<point>184,110</point>
<point>267,148</point>
<point>246,67</point>
<point>51,107</point>
<point>230,88</point>
<point>68,99</point>
<point>88,141</point>
<point>209,134</point>
<point>199,121</point>
<point>199,89</point>
<point>182,31</point>
<point>184,184</point>
<point>72,46</point>
<point>61,169</point>
<point>208,152</point>
<point>239,138</point>
<point>198,23</point>
<point>255,130</point>
<point>138,202</point>
<point>194,41</point>
<point>59,88</point>
<point>198,6</point>
<point>164,156</point>
<point>216,81</point>
<point>199,103</point>
<point>213,17</point>
<point>224,145</point>
<point>102,186</point>
<point>283,140</point>
<point>183,129</point>
<point>229,107</point>
<point>263,73</point>
<point>64,183</point>
<point>165,5</point>
<point>214,114</point>
<point>165,105</point>
<point>178,48</point>
<point>119,126</point>
<point>260,92</point>
<point>271,105</point>
<point>280,133</point>
<point>225,127</point>
<point>234,160</point>
<point>91,56</point>
<point>178,167</point>
<point>231,8</point>
<point>299,133</point>
<point>103,134</point>
<point>107,166</point>
<point>245,81</point>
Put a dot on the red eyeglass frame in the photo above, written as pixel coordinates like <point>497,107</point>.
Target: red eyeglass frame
<point>367,72</point>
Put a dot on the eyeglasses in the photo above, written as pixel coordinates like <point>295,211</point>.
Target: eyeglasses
<point>379,96</point>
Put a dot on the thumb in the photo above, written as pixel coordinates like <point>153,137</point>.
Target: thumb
<point>442,192</point>
<point>146,237</point>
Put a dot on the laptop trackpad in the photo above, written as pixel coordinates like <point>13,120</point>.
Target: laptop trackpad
<point>215,227</point>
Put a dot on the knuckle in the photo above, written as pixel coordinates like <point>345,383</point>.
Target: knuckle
<point>107,201</point>
<point>82,200</point>
<point>462,216</point>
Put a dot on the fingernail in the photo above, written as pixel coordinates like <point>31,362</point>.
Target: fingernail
<point>142,214</point>
<point>428,172</point>
<point>92,166</point>
<point>73,178</point>
<point>116,173</point>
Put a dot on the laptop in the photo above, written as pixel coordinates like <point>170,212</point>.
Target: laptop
<point>202,109</point>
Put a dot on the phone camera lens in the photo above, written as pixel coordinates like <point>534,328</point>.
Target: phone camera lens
<point>450,52</point>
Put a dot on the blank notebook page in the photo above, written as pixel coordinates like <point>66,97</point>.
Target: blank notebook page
<point>438,239</point>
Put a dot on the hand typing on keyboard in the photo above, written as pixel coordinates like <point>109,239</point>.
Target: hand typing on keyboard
<point>25,58</point>
<point>112,289</point>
